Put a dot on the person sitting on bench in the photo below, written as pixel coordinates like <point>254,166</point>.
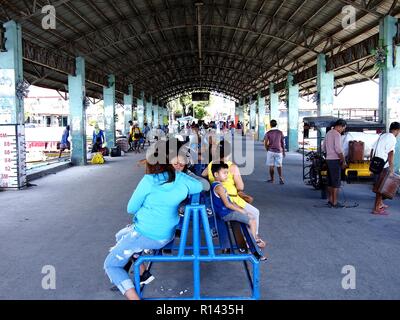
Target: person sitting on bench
<point>154,205</point>
<point>224,207</point>
<point>234,183</point>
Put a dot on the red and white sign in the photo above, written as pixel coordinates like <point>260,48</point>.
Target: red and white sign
<point>12,157</point>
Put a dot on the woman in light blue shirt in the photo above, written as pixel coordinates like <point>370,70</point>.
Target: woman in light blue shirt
<point>154,205</point>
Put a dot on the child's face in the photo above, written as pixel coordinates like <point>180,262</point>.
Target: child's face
<point>221,175</point>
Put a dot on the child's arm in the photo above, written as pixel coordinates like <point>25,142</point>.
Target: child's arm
<point>221,192</point>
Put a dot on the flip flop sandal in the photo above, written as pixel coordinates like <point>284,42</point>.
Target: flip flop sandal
<point>380,212</point>
<point>262,258</point>
<point>260,243</point>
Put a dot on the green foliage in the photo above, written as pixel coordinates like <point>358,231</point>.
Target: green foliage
<point>200,110</point>
<point>380,55</point>
<point>184,106</point>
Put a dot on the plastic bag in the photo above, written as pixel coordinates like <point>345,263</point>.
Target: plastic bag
<point>97,158</point>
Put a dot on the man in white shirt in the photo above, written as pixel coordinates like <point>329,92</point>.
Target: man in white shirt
<point>384,148</point>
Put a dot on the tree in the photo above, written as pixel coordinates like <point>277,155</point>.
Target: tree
<point>200,110</point>
<point>187,105</point>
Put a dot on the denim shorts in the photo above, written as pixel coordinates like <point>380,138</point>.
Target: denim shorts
<point>129,242</point>
<point>274,159</point>
<point>237,216</point>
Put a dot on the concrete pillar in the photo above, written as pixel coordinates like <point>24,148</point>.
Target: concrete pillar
<point>325,87</point>
<point>389,76</point>
<point>161,115</point>
<point>156,116</point>
<point>128,101</point>
<point>261,116</point>
<point>165,117</point>
<point>293,114</point>
<point>397,157</point>
<point>149,112</point>
<point>389,79</point>
<point>77,95</point>
<point>140,110</point>
<point>109,111</point>
<point>273,103</point>
<point>12,134</point>
<point>253,116</point>
<point>240,112</point>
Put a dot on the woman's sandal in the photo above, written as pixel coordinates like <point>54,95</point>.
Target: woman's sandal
<point>262,258</point>
<point>260,243</point>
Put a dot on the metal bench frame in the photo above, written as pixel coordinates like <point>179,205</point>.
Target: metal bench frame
<point>196,212</point>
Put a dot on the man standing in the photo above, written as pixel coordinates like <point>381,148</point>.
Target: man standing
<point>146,131</point>
<point>335,161</point>
<point>130,141</point>
<point>275,145</point>
<point>384,148</point>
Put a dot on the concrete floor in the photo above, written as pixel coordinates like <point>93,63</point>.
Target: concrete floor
<point>69,220</point>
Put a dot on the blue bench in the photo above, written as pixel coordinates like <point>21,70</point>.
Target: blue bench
<point>197,214</point>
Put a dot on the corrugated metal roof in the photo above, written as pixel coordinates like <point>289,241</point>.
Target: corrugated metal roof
<point>154,45</point>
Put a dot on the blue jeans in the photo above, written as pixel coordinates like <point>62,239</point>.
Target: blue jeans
<point>129,242</point>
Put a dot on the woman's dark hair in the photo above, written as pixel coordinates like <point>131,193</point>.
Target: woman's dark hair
<point>161,153</point>
<point>224,149</point>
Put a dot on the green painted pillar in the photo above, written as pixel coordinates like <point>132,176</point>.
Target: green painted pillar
<point>397,157</point>
<point>162,118</point>
<point>12,130</point>
<point>77,96</point>
<point>253,116</point>
<point>240,113</point>
<point>389,79</point>
<point>261,116</point>
<point>128,101</point>
<point>109,111</point>
<point>293,113</point>
<point>140,110</point>
<point>325,87</point>
<point>161,115</point>
<point>273,103</point>
<point>149,112</point>
<point>11,108</point>
<point>156,116</point>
